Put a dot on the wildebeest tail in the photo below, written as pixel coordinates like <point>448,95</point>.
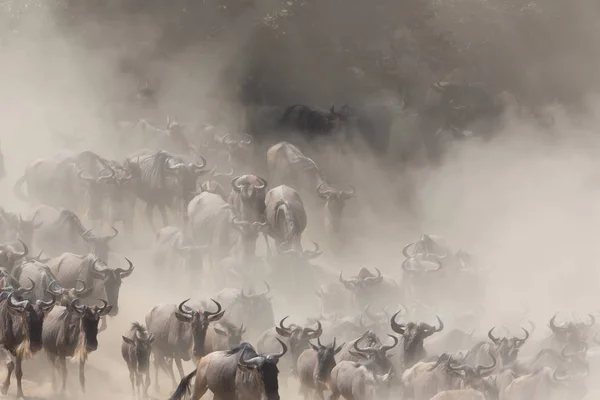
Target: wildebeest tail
<point>184,387</point>
<point>18,189</point>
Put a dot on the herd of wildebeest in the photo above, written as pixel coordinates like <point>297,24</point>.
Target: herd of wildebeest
<point>367,341</point>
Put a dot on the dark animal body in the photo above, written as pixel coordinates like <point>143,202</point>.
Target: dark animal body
<point>136,349</point>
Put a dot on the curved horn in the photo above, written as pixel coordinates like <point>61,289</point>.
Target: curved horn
<point>375,279</point>
<point>347,284</point>
<point>85,177</point>
<point>219,308</point>
<point>124,273</point>
<point>23,290</point>
<point>396,327</point>
<point>104,306</point>
<point>46,305</point>
<point>234,184</point>
<point>440,323</point>
<point>266,292</point>
<point>316,333</point>
<point>555,327</point>
<point>592,319</point>
<point>17,305</point>
<point>109,177</point>
<point>263,182</point>
<point>521,341</point>
<point>114,235</point>
<point>385,349</point>
<point>314,253</point>
<point>230,173</point>
<point>283,327</point>
<point>369,350</point>
<point>55,288</point>
<point>200,166</point>
<point>79,292</point>
<point>405,250</point>
<point>246,142</point>
<point>494,339</point>
<point>185,310</point>
<point>347,194</point>
<point>484,370</point>
<point>284,350</point>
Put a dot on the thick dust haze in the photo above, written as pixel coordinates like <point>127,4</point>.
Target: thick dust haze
<point>525,200</point>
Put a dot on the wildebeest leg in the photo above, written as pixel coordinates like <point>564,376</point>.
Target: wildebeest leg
<point>163,213</point>
<point>10,366</point>
<point>19,376</point>
<point>169,369</point>
<point>150,215</point>
<point>157,365</point>
<point>82,375</point>
<point>179,367</point>
<point>269,253</point>
<point>63,373</point>
<point>335,394</point>
<point>146,384</point>
<point>52,359</point>
<point>132,378</point>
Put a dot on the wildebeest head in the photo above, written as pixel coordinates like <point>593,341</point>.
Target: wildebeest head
<point>570,333</point>
<point>25,228</point>
<point>199,323</point>
<point>265,366</point>
<point>9,256</point>
<point>112,278</point>
<point>325,359</point>
<point>66,296</point>
<point>233,333</point>
<point>414,335</point>
<point>187,175</point>
<point>475,378</point>
<point>99,245</point>
<point>508,348</point>
<point>32,314</point>
<point>102,178</point>
<point>421,265</point>
<point>335,201</point>
<point>251,190</point>
<point>142,345</point>
<point>298,336</point>
<point>364,280</point>
<point>377,354</point>
<point>426,246</point>
<point>89,318</point>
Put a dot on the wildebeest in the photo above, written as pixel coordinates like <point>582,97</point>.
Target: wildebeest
<point>354,381</point>
<point>370,290</point>
<point>162,180</point>
<point>136,349</point>
<point>376,354</point>
<point>239,373</point>
<point>569,333</point>
<point>314,367</point>
<point>312,123</point>
<point>251,309</point>
<point>172,249</point>
<point>287,220</point>
<point>179,333</point>
<point>223,336</point>
<point>296,337</point>
<point>39,274</point>
<point>9,255</point>
<point>72,331</point>
<point>13,227</point>
<point>66,296</point>
<point>63,231</point>
<point>414,334</point>
<point>21,332</point>
<point>546,384</point>
<point>248,197</point>
<point>70,268</point>
<point>53,182</point>
<point>424,379</point>
<point>505,350</point>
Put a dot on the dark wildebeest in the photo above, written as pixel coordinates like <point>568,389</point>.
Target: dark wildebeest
<point>505,350</point>
<point>296,337</point>
<point>162,180</point>
<point>240,373</point>
<point>21,332</point>
<point>72,331</point>
<point>253,310</point>
<point>53,182</point>
<point>223,336</point>
<point>248,197</point>
<point>287,221</point>
<point>312,123</point>
<point>120,195</point>
<point>63,231</point>
<point>171,249</point>
<point>355,381</point>
<point>136,349</point>
<point>571,334</point>
<point>179,333</point>
<point>314,367</point>
<point>413,336</point>
<point>70,268</point>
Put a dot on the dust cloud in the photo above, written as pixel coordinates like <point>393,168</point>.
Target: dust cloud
<point>525,201</point>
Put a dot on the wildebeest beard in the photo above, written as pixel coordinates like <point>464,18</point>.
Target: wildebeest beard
<point>268,375</point>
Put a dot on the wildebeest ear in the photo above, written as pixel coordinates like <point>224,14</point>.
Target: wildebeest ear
<point>127,340</point>
<point>281,332</point>
<point>220,332</point>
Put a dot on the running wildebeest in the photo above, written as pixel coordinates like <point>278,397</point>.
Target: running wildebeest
<point>176,330</point>
<point>414,335</point>
<point>314,367</point>
<point>21,331</point>
<point>239,373</point>
<point>136,349</point>
<point>72,331</point>
<point>313,123</point>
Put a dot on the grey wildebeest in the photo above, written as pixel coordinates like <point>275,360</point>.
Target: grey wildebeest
<point>425,379</point>
<point>571,334</point>
<point>179,333</point>
<point>296,337</point>
<point>171,249</point>
<point>21,332</point>
<point>505,350</point>
<point>314,367</point>
<point>414,335</point>
<point>251,309</point>
<point>286,217</point>
<point>63,231</point>
<point>223,336</point>
<point>162,180</point>
<point>70,268</point>
<point>72,331</point>
<point>248,197</point>
<point>370,290</point>
<point>53,182</point>
<point>240,373</point>
<point>375,354</point>
<point>354,381</point>
<point>136,349</point>
<point>39,274</point>
<point>10,256</point>
<point>546,384</point>
<point>13,227</point>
